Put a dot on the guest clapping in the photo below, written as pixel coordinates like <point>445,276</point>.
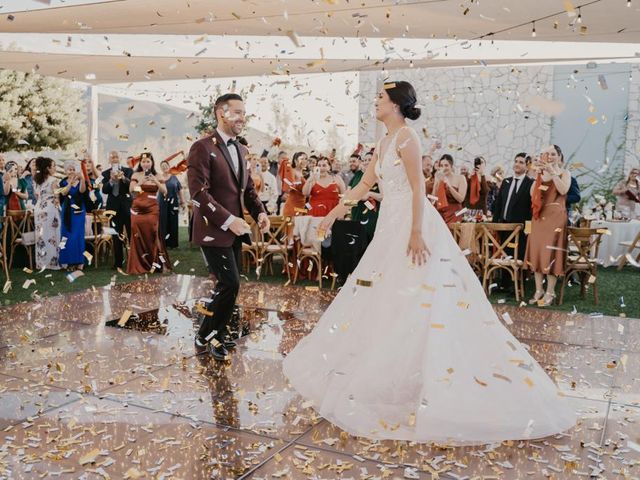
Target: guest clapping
<point>16,197</point>
<point>628,195</point>
<point>450,189</point>
<point>147,251</point>
<point>170,205</point>
<point>546,247</point>
<point>74,199</point>
<point>46,214</point>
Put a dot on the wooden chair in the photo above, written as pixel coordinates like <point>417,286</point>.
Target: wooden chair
<point>582,258</point>
<point>102,242</point>
<point>4,259</point>
<point>496,239</point>
<point>276,242</point>
<point>20,233</point>
<point>252,254</point>
<point>455,230</point>
<point>631,247</point>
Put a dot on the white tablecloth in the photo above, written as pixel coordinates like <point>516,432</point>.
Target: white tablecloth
<point>306,229</point>
<point>610,248</point>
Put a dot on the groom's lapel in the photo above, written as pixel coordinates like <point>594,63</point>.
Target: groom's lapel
<point>225,153</point>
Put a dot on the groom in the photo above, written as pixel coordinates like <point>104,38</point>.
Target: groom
<point>221,188</point>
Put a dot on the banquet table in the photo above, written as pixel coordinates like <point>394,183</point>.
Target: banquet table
<point>621,231</point>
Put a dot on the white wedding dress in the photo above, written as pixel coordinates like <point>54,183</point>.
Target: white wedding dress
<point>418,353</point>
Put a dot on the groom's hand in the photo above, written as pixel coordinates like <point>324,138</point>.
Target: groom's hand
<point>239,227</point>
<point>263,222</point>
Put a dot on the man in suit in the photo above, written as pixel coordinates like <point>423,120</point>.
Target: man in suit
<point>115,184</point>
<point>513,201</point>
<point>221,188</point>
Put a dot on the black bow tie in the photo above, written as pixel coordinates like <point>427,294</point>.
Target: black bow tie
<point>231,141</point>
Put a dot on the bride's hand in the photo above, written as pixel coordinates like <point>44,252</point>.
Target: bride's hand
<point>325,226</point>
<point>417,249</point>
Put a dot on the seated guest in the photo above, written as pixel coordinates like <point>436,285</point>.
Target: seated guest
<point>513,200</point>
<point>323,189</point>
<point>147,251</point>
<point>16,197</point>
<point>362,212</point>
<point>546,247</point>
<point>494,182</point>
<point>292,185</point>
<point>46,214</point>
<point>450,189</point>
<point>476,198</point>
<point>628,195</point>
<point>269,192</point>
<point>74,199</point>
<point>429,169</point>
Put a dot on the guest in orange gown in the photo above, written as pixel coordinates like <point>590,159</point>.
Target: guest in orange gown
<point>293,181</point>
<point>147,251</point>
<point>324,189</point>
<point>450,188</point>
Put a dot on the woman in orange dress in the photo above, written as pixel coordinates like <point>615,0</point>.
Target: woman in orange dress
<point>450,189</point>
<point>547,243</point>
<point>256,173</point>
<point>293,181</point>
<point>147,251</point>
<point>324,189</point>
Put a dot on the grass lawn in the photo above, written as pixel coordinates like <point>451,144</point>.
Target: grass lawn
<point>614,286</point>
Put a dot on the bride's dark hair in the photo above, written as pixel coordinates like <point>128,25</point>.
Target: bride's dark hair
<point>404,95</point>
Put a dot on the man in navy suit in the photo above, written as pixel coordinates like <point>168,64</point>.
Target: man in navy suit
<point>115,184</point>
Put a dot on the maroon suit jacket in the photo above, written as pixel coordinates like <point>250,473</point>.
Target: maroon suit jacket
<point>216,191</point>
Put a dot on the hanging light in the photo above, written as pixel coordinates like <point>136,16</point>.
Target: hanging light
<point>628,3</point>
<point>579,20</point>
<point>533,31</point>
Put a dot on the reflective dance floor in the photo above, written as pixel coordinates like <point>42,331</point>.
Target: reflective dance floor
<point>81,397</point>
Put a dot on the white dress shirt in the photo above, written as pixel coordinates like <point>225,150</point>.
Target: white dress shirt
<point>233,152</point>
<point>269,193</point>
<point>512,187</point>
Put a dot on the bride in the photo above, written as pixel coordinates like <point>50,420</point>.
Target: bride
<point>411,349</point>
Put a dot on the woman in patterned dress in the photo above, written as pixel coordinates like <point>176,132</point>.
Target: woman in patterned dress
<point>47,215</point>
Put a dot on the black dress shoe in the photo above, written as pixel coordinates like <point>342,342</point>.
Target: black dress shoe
<point>200,344</point>
<point>217,351</point>
<point>229,344</point>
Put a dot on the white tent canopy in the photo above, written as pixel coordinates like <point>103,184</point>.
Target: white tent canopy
<point>139,40</point>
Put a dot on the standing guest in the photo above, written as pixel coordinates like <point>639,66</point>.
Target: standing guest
<point>4,188</point>
<point>16,197</point>
<point>476,198</point>
<point>464,171</point>
<point>546,247</point>
<point>513,200</point>
<point>170,205</point>
<point>269,193</point>
<point>323,189</point>
<point>362,212</point>
<point>494,182</point>
<point>354,166</point>
<point>74,199</point>
<point>573,195</point>
<point>450,189</point>
<point>94,180</point>
<point>27,175</point>
<point>531,173</point>
<point>628,195</point>
<point>115,184</point>
<point>147,252</point>
<point>255,171</point>
<point>293,186</point>
<point>46,214</point>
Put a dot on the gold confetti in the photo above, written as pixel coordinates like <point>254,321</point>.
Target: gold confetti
<point>502,377</point>
<point>90,457</point>
<point>364,283</point>
<point>480,382</point>
<point>437,325</point>
<point>529,382</point>
<point>124,318</point>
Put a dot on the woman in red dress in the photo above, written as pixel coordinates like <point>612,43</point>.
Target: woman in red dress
<point>147,251</point>
<point>323,189</point>
<point>292,178</point>
<point>450,189</point>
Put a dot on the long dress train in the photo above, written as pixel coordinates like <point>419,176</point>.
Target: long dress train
<point>418,353</point>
